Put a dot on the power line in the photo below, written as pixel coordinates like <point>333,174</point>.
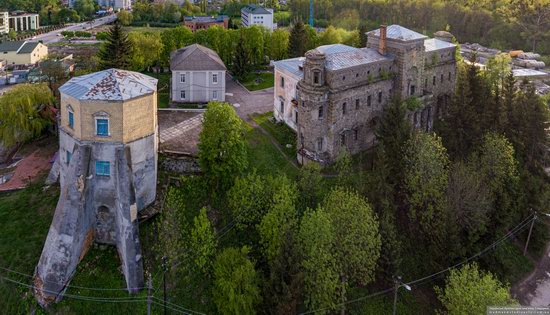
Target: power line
<point>515,230</point>
<point>177,306</point>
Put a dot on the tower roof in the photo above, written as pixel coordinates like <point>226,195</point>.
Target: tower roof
<point>110,85</point>
<point>399,32</point>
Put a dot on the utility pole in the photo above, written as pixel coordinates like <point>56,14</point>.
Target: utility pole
<point>529,235</point>
<point>149,290</point>
<point>398,283</point>
<point>164,269</point>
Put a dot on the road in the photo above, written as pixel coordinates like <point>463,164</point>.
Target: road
<point>53,36</point>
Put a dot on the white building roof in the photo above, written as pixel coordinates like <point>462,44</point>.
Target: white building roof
<point>399,32</point>
<point>433,44</point>
<point>110,85</point>
<point>531,73</point>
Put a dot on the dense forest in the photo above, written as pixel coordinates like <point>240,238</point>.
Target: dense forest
<point>489,22</point>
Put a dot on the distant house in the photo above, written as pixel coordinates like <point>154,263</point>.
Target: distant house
<point>255,15</point>
<point>198,75</point>
<point>204,22</point>
<point>22,52</point>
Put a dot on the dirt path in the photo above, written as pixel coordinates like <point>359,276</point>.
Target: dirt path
<point>534,289</point>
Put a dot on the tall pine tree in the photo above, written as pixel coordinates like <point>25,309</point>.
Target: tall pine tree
<point>298,40</point>
<point>117,49</point>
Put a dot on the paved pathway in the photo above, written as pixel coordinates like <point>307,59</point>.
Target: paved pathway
<point>180,129</point>
<point>247,103</point>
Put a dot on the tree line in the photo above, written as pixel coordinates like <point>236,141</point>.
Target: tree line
<point>487,22</point>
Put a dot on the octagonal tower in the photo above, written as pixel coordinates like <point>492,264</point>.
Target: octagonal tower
<point>108,173</point>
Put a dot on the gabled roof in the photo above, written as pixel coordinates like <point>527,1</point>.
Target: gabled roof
<point>339,56</point>
<point>254,9</point>
<point>206,19</point>
<point>196,58</point>
<point>399,32</point>
<point>110,85</point>
<point>433,44</point>
<point>21,47</point>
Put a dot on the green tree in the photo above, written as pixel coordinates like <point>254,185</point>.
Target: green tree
<point>222,146</point>
<point>469,290</point>
<point>321,278</point>
<point>236,283</point>
<point>280,220</point>
<point>344,167</point>
<point>146,50</point>
<point>25,111</point>
<point>426,179</point>
<point>172,238</point>
<point>172,39</point>
<point>249,200</point>
<point>279,44</point>
<point>298,40</point>
<point>310,186</point>
<point>241,59</point>
<point>125,17</point>
<point>532,17</point>
<point>356,239</point>
<point>498,68</point>
<point>85,8</point>
<point>116,51</point>
<point>393,133</point>
<point>202,243</point>
<point>497,164</point>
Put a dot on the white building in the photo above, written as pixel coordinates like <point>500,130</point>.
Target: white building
<point>4,23</point>
<point>287,75</point>
<point>115,4</point>
<point>256,15</point>
<point>198,75</point>
<point>20,21</point>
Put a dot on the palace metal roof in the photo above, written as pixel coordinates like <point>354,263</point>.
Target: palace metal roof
<point>340,56</point>
<point>433,44</point>
<point>292,66</point>
<point>110,85</point>
<point>399,32</point>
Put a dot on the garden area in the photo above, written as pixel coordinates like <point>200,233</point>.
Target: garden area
<point>255,81</point>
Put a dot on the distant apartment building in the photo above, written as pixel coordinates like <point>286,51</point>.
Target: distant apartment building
<point>198,75</point>
<point>204,22</point>
<point>4,23</point>
<point>255,15</point>
<point>22,52</point>
<point>21,21</point>
<point>115,4</point>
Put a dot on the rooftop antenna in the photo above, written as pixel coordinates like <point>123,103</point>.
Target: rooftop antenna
<point>311,13</point>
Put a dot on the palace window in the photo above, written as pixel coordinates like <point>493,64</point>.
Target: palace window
<point>102,127</point>
<point>282,82</point>
<point>182,78</point>
<point>71,119</point>
<point>319,144</point>
<point>379,97</point>
<point>214,78</point>
<point>344,109</point>
<point>321,112</point>
<point>433,80</point>
<point>103,168</point>
<point>369,100</point>
<point>214,95</point>
<point>357,102</point>
<point>343,139</point>
<point>182,94</point>
<point>69,157</point>
<point>316,76</point>
<point>355,134</point>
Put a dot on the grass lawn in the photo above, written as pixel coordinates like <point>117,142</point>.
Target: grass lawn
<point>143,29</point>
<point>265,157</point>
<point>281,132</point>
<point>258,81</point>
<point>163,88</point>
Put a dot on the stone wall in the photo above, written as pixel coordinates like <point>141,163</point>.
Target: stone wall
<point>180,165</point>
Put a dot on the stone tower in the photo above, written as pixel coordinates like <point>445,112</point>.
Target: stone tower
<point>312,93</point>
<point>107,171</point>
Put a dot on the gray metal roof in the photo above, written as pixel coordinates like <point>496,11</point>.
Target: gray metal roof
<point>340,56</point>
<point>21,47</point>
<point>206,19</point>
<point>524,72</point>
<point>292,66</point>
<point>196,58</point>
<point>110,85</point>
<point>433,44</point>
<point>255,9</point>
<point>399,32</point>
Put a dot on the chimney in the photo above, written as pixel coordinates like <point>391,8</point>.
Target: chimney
<point>382,42</point>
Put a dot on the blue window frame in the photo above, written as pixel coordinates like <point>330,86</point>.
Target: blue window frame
<point>71,120</point>
<point>69,157</point>
<point>103,168</point>
<point>102,127</point>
